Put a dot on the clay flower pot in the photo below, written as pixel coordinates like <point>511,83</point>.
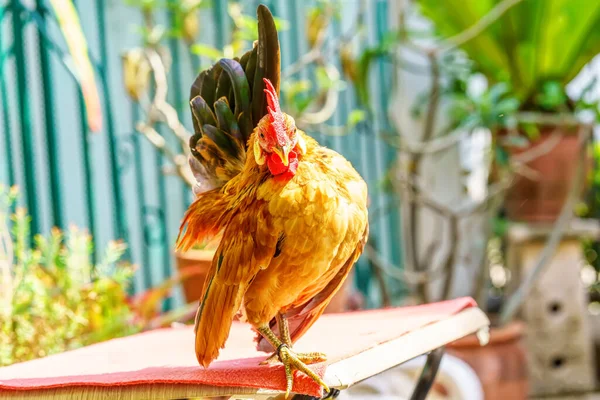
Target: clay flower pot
<point>540,198</point>
<point>196,263</point>
<point>500,365</point>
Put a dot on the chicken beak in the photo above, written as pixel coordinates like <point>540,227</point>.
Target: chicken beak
<point>283,153</point>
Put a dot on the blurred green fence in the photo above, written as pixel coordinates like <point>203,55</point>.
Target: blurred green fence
<point>112,182</point>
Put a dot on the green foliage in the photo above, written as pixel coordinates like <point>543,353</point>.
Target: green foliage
<point>369,55</point>
<point>207,51</point>
<point>538,46</point>
<point>183,6</point>
<point>551,97</point>
<point>355,117</point>
<point>185,23</point>
<point>296,95</point>
<point>493,107</point>
<point>52,297</point>
<point>146,5</point>
<point>327,81</point>
<point>500,226</point>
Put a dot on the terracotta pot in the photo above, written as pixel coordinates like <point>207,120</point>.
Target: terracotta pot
<point>196,262</point>
<point>500,365</point>
<point>541,199</point>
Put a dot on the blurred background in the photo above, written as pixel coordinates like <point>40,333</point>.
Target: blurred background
<point>471,121</point>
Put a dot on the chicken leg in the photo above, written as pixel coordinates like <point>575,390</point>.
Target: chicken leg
<point>290,360</point>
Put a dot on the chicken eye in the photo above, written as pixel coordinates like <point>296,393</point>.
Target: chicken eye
<point>262,135</point>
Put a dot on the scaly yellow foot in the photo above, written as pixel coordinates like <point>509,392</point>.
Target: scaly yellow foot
<point>292,361</point>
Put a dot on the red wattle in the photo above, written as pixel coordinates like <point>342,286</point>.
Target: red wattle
<point>276,165</point>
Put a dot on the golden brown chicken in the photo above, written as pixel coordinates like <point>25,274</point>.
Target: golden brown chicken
<point>292,214</point>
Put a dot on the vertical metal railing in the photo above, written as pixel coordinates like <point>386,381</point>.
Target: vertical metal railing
<point>52,149</point>
<point>19,20</point>
<point>141,192</point>
<point>87,162</point>
<point>5,52</point>
<point>120,220</point>
<point>391,216</point>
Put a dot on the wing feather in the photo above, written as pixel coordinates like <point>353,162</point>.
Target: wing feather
<point>247,246</point>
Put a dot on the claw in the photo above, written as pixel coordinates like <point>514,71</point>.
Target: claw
<point>272,359</point>
<point>307,358</point>
<point>292,361</point>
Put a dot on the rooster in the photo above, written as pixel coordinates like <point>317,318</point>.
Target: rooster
<point>291,215</point>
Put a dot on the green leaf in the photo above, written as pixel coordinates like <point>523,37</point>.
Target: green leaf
<point>355,117</point>
<point>294,87</point>
<point>501,156</point>
<point>497,91</point>
<point>297,94</point>
<point>385,184</point>
<point>531,130</point>
<point>507,106</point>
<point>365,61</point>
<point>329,81</point>
<point>205,50</point>
<point>552,96</point>
<point>500,226</point>
<point>535,41</point>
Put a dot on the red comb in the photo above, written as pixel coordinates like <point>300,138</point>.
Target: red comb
<point>277,120</point>
<point>272,99</point>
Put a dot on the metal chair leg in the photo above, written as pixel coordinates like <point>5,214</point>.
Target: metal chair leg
<point>334,393</point>
<point>428,374</point>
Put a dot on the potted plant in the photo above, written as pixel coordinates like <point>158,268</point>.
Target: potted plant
<point>535,48</point>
